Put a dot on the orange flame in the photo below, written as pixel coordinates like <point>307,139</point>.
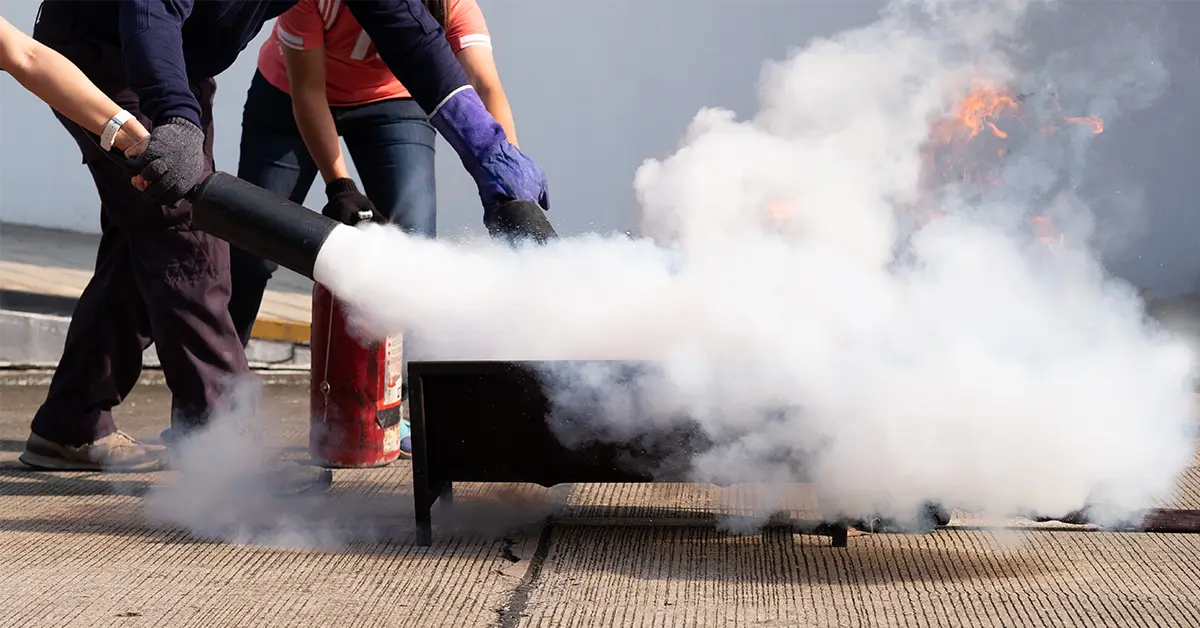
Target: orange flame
<point>1097,123</point>
<point>975,113</point>
<point>777,212</point>
<point>977,118</point>
<point>1046,232</point>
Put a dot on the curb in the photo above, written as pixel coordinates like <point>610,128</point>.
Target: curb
<point>33,341</point>
<point>151,376</point>
<point>273,329</point>
<point>58,305</point>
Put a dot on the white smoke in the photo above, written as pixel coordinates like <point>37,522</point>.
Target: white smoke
<point>224,488</point>
<point>230,482</point>
<point>796,307</point>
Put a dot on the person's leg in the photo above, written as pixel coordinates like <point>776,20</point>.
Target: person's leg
<point>182,275</point>
<point>101,361</point>
<point>195,334</point>
<point>392,146</point>
<point>273,157</point>
<point>183,278</point>
<point>110,327</point>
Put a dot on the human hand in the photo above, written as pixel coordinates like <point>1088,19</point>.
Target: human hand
<point>510,175</point>
<point>171,163</point>
<point>347,205</point>
<point>131,138</point>
<point>500,170</point>
<point>131,154</point>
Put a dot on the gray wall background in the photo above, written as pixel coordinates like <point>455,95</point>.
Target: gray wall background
<point>598,86</point>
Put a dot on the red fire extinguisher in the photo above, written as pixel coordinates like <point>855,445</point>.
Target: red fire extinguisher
<point>356,391</point>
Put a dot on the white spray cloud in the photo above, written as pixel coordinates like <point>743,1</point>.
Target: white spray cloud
<point>224,490</point>
<point>798,307</point>
<point>226,480</point>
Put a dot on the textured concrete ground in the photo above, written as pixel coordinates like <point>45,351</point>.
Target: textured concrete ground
<point>84,549</point>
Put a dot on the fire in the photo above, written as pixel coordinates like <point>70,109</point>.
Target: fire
<point>952,143</point>
<point>968,146</point>
<point>1096,123</point>
<point>1046,232</point>
<point>777,212</point>
<point>976,113</point>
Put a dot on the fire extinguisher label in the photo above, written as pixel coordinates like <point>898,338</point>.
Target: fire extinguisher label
<point>391,439</point>
<point>393,371</point>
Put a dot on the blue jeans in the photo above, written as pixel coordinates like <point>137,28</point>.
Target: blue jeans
<point>391,144</point>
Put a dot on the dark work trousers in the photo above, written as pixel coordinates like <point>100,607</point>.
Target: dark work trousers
<point>156,280</point>
<point>392,146</point>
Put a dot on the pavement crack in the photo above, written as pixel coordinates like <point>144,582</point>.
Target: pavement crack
<point>519,598</point>
<point>507,552</point>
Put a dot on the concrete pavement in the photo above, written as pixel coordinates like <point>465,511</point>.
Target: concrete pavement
<point>90,549</point>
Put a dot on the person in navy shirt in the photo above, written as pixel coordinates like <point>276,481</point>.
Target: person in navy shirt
<point>159,281</point>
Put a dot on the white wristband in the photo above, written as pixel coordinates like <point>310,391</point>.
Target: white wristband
<point>110,129</point>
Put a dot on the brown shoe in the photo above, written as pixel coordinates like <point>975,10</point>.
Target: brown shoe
<point>117,452</point>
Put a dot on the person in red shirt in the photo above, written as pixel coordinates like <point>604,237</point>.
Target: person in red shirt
<point>319,78</point>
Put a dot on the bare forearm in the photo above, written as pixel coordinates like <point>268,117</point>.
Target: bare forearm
<point>481,70</point>
<point>306,75</point>
<point>497,104</point>
<point>320,136</point>
<point>57,82</point>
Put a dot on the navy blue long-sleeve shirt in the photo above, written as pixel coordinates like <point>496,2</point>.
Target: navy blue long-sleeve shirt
<point>166,41</point>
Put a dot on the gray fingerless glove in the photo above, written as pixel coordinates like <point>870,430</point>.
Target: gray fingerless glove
<point>173,163</point>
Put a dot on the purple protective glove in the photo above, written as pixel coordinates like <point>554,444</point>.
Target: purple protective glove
<point>502,172</point>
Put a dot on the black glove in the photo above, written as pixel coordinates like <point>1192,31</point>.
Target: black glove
<point>173,162</point>
<point>347,205</point>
